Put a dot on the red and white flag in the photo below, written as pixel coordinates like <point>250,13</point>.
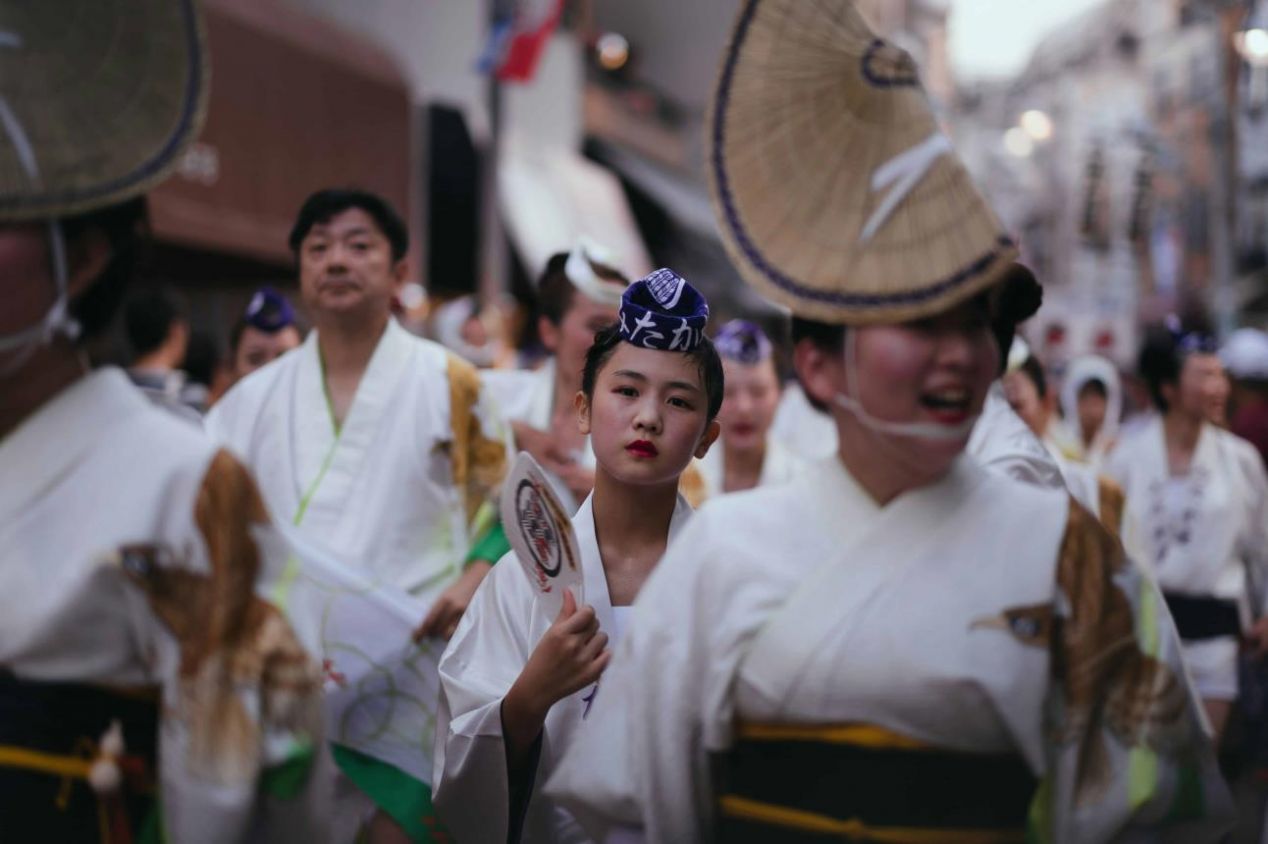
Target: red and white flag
<point>515,44</point>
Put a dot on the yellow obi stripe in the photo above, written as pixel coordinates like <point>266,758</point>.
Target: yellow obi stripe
<point>742,808</point>
<point>862,782</point>
<point>859,735</point>
<point>44,763</point>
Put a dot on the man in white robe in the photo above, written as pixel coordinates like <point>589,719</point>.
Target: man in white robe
<point>380,446</point>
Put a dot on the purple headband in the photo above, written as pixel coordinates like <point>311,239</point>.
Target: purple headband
<point>662,311</point>
<point>269,311</point>
<point>1191,342</point>
<point>742,341</point>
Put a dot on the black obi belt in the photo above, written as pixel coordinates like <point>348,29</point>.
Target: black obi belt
<point>1199,617</point>
<point>50,739</point>
<point>797,783</point>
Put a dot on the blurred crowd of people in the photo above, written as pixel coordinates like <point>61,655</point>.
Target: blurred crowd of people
<point>384,572</point>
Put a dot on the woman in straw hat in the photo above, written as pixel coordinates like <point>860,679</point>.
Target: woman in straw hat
<point>135,656</point>
<point>901,646</point>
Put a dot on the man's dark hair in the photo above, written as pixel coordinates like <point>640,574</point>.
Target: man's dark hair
<point>148,317</point>
<point>125,227</point>
<point>555,292</point>
<point>1033,370</point>
<point>705,357</point>
<point>325,204</point>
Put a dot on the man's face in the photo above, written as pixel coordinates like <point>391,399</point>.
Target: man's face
<point>346,271</point>
<point>256,348</point>
<point>572,338</point>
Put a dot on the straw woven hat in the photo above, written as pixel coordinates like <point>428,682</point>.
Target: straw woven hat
<point>836,192</point>
<point>98,99</point>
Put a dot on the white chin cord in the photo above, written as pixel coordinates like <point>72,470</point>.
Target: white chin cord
<point>920,430</point>
<point>16,348</point>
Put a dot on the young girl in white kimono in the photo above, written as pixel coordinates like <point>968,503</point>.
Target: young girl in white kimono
<point>747,455</point>
<point>1197,513</point>
<point>901,646</point>
<point>517,683</point>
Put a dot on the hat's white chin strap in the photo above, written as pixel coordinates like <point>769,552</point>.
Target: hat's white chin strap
<point>18,346</point>
<point>920,430</point>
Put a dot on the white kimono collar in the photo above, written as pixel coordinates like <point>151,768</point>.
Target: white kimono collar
<point>1204,454</point>
<point>312,426</point>
<point>54,439</point>
<point>832,490</point>
<point>595,581</point>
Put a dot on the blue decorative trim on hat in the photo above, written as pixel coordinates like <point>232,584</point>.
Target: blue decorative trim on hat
<point>742,341</point>
<point>880,80</point>
<point>269,311</point>
<point>759,261</point>
<point>662,311</point>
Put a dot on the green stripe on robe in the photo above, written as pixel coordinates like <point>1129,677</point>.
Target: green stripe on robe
<point>405,799</point>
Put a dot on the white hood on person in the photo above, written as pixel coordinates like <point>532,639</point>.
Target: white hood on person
<point>17,347</point>
<point>919,430</point>
<point>1081,371</point>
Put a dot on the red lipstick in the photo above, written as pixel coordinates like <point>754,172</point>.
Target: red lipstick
<point>642,448</point>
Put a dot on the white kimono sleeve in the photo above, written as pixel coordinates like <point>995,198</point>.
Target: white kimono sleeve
<point>241,726</point>
<point>1128,758</point>
<point>642,757</point>
<point>472,791</point>
<point>1253,544</point>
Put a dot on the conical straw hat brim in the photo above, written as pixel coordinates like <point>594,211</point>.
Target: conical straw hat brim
<point>809,105</point>
<point>98,100</point>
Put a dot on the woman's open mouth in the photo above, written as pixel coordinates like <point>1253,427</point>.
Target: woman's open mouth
<point>950,406</point>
